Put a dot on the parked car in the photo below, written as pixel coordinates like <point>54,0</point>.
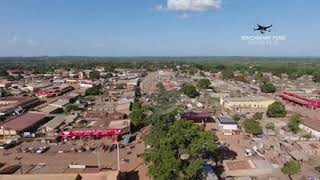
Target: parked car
<point>42,149</point>
<point>9,145</point>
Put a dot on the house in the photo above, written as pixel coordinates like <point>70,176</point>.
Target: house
<point>10,104</point>
<point>243,168</point>
<point>227,125</point>
<point>311,126</point>
<point>18,126</point>
<point>60,103</point>
<point>202,117</point>
<point>246,102</point>
<point>311,148</point>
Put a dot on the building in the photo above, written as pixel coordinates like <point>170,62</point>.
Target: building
<point>311,148</point>
<point>53,124</point>
<point>299,100</point>
<point>49,109</point>
<point>35,86</point>
<point>60,103</point>
<point>15,104</point>
<point>202,117</point>
<point>227,125</point>
<point>246,102</point>
<point>53,91</point>
<point>21,125</point>
<point>255,168</point>
<point>5,83</point>
<point>311,126</point>
<point>106,175</point>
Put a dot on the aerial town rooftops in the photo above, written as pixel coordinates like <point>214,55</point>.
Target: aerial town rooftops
<point>255,167</point>
<point>225,120</point>
<point>49,109</point>
<point>10,103</point>
<point>54,123</point>
<point>202,116</point>
<point>246,99</point>
<point>60,103</point>
<point>23,122</point>
<point>312,123</point>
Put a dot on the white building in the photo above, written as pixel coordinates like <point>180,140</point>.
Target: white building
<point>311,126</point>
<point>227,125</point>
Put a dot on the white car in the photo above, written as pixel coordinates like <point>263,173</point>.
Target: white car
<point>42,149</point>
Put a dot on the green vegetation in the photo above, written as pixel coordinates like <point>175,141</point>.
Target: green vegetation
<point>307,136</point>
<point>203,84</point>
<point>137,115</point>
<point>236,117</point>
<point>316,77</point>
<point>270,126</point>
<point>189,90</point>
<point>227,74</point>
<point>70,107</point>
<point>291,167</point>
<point>94,75</point>
<point>257,116</point>
<point>293,125</point>
<point>165,157</point>
<point>93,91</point>
<point>241,78</point>
<point>293,67</point>
<point>268,87</point>
<point>276,110</point>
<point>175,145</point>
<point>252,127</point>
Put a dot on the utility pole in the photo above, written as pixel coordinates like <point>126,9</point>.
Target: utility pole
<point>118,151</point>
<point>99,159</point>
<point>4,140</point>
<point>4,137</point>
<point>20,164</point>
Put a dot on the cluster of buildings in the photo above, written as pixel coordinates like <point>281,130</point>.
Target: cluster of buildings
<point>38,112</point>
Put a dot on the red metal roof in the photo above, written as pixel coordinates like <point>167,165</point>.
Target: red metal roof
<point>300,99</point>
<point>23,122</point>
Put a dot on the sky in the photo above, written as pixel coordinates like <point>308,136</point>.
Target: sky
<point>157,27</point>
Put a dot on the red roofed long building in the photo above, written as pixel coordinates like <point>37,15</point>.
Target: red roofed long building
<point>300,100</point>
<point>24,123</point>
<point>53,91</point>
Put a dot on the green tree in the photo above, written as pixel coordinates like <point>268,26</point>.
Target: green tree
<point>252,127</point>
<point>227,74</point>
<point>236,117</point>
<point>293,125</point>
<point>290,168</point>
<point>164,158</point>
<point>316,77</point>
<point>270,126</point>
<point>241,78</point>
<point>189,90</point>
<point>93,91</point>
<point>276,110</point>
<point>203,83</point>
<point>70,107</point>
<point>268,87</point>
<point>257,116</point>
<point>94,75</point>
<point>137,115</point>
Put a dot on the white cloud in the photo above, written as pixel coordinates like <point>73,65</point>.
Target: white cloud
<point>193,5</point>
<point>183,16</point>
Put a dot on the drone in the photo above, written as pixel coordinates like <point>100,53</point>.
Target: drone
<point>263,29</point>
